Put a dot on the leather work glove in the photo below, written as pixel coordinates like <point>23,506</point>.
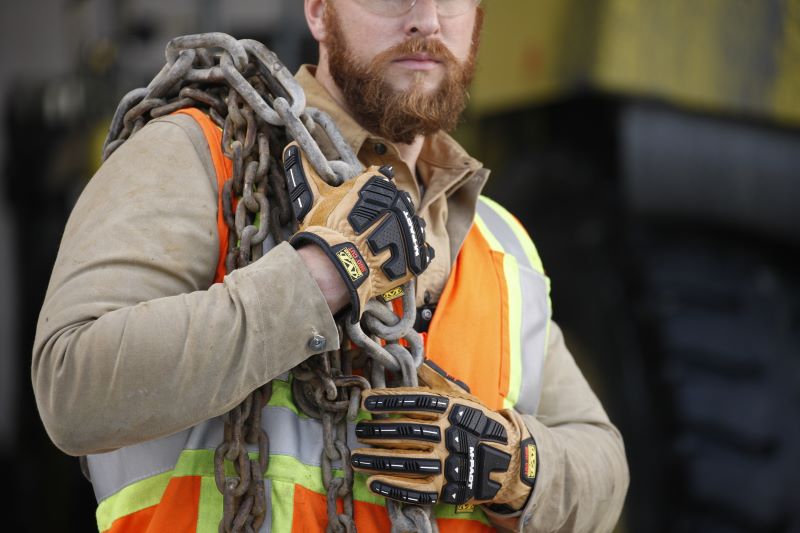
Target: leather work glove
<point>367,227</point>
<point>447,447</point>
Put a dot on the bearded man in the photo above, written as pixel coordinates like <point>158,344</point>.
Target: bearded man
<point>141,348</point>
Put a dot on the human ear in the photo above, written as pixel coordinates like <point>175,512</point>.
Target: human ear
<point>315,18</point>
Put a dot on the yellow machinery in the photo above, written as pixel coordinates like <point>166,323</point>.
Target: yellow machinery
<point>720,56</point>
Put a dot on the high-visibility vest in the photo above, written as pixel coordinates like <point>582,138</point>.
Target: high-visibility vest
<point>489,330</point>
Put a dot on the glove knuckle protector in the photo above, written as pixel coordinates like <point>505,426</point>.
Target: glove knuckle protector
<point>450,449</point>
<point>368,228</point>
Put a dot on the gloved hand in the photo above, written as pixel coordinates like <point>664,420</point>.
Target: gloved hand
<point>367,227</point>
<point>448,447</point>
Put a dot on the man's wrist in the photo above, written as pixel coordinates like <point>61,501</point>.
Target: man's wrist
<point>326,275</point>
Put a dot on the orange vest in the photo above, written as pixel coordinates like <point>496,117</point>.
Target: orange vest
<point>490,330</point>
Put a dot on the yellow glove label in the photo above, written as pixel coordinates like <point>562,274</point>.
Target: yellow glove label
<point>393,294</point>
<point>529,467</point>
<point>352,263</point>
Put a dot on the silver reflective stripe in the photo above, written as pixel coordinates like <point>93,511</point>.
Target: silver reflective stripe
<point>289,434</point>
<point>504,234</point>
<point>266,526</point>
<point>535,310</point>
<point>533,342</point>
<point>115,470</point>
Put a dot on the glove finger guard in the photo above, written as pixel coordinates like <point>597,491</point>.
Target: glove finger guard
<point>368,228</point>
<point>445,447</point>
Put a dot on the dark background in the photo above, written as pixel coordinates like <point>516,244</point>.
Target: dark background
<point>651,148</point>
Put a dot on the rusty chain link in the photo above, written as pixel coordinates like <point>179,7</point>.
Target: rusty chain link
<point>249,93</point>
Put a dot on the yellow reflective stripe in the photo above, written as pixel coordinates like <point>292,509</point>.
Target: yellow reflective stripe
<point>514,298</point>
<point>148,491</point>
<point>134,497</point>
<point>209,512</point>
<point>282,397</point>
<point>200,463</point>
<point>281,496</point>
<point>528,246</point>
<point>494,244</point>
<point>528,301</point>
<point>284,472</point>
<point>519,231</point>
<point>289,469</point>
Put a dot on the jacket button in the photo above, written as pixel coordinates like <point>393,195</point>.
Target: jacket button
<point>317,343</point>
<point>427,314</point>
<point>380,148</point>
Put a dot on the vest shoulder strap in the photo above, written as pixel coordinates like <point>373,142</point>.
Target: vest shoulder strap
<point>526,280</point>
<point>224,169</point>
<point>506,234</point>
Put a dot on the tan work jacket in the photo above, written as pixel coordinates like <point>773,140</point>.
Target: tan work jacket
<point>134,343</point>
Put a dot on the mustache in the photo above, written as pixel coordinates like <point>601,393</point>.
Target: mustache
<point>434,48</point>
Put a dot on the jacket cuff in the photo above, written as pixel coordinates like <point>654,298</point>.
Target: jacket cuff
<point>504,521</point>
<point>286,306</point>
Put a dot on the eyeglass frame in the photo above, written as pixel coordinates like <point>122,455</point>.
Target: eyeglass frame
<point>413,3</point>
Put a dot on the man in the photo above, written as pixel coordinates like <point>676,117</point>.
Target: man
<point>138,353</point>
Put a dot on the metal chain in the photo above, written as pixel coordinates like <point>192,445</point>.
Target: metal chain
<point>249,93</point>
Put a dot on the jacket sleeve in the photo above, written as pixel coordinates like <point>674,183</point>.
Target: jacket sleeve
<point>133,341</point>
<point>582,472</point>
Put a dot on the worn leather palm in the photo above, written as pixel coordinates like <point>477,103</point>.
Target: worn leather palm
<point>368,228</point>
<point>446,447</point>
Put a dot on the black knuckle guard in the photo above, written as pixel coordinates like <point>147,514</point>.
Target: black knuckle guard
<point>406,402</point>
<point>404,495</point>
<point>401,232</point>
<point>297,183</point>
<point>401,430</point>
<point>471,461</point>
<point>398,465</point>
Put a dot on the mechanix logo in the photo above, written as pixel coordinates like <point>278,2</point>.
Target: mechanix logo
<point>529,461</point>
<point>393,294</point>
<point>352,262</point>
<point>413,233</point>
<point>465,508</point>
<point>471,466</point>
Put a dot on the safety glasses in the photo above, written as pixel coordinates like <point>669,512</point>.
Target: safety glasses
<point>395,8</point>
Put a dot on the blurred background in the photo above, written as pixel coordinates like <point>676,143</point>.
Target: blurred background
<point>651,148</point>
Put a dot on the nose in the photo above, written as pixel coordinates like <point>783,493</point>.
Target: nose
<point>423,19</point>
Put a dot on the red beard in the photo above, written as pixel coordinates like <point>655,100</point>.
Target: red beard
<point>400,116</point>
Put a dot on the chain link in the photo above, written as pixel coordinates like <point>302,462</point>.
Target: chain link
<point>249,93</point>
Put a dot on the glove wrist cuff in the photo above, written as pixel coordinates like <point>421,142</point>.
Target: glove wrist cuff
<point>348,261</point>
<point>524,465</point>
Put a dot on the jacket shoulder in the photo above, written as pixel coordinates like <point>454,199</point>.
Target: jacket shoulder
<point>193,132</point>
